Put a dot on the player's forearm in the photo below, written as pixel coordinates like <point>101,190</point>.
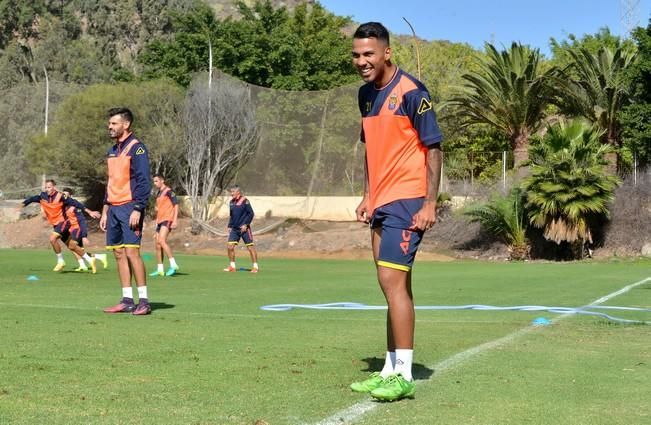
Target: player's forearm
<point>434,164</point>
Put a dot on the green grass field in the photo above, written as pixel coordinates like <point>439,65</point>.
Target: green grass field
<point>209,355</point>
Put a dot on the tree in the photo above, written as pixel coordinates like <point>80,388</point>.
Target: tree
<point>568,188</point>
<point>269,47</point>
<point>220,135</point>
<point>636,118</point>
<point>77,141</point>
<point>509,92</point>
<point>503,217</point>
<point>599,90</point>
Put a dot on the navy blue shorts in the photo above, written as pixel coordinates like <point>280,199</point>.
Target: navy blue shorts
<point>163,224</point>
<point>236,234</point>
<point>73,234</point>
<point>399,241</point>
<point>61,229</point>
<point>118,232</point>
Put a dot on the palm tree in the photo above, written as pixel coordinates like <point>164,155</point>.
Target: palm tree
<point>568,186</point>
<point>594,86</point>
<point>503,218</point>
<point>509,92</point>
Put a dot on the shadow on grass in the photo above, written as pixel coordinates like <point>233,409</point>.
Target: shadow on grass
<point>160,306</point>
<point>419,371</point>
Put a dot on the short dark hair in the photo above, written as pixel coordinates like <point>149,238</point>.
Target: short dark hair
<point>69,190</point>
<point>51,181</point>
<point>160,176</point>
<point>372,30</point>
<point>124,113</point>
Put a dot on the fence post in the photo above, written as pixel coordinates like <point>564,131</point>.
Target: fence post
<point>635,169</point>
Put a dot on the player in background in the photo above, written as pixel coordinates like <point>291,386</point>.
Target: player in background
<point>403,167</point>
<point>167,213</point>
<point>52,204</point>
<point>239,227</point>
<point>127,193</point>
<point>76,214</point>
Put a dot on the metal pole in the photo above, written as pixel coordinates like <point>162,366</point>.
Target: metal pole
<point>47,99</point>
<point>635,169</point>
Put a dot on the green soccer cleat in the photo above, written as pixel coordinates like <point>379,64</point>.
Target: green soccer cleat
<point>103,258</point>
<point>93,268</point>
<point>171,271</point>
<point>156,273</point>
<point>81,269</point>
<point>394,388</point>
<point>369,384</point>
<point>60,265</point>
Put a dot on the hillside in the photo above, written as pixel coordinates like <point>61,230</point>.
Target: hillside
<point>225,8</point>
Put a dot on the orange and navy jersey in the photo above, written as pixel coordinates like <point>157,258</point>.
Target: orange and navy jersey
<point>71,215</point>
<point>241,213</point>
<point>52,205</point>
<point>165,202</point>
<point>398,126</point>
<point>128,170</point>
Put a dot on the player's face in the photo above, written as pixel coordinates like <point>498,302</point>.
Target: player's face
<point>117,127</point>
<point>158,182</point>
<point>235,193</point>
<point>49,188</point>
<point>370,58</point>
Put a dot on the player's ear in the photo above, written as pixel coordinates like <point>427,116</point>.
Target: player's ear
<point>387,54</point>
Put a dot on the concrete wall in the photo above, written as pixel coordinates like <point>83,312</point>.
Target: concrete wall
<point>331,208</point>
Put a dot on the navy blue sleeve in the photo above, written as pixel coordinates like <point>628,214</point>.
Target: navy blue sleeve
<point>67,201</point>
<point>170,194</point>
<point>248,213</point>
<point>140,176</point>
<point>230,220</point>
<point>31,199</point>
<point>420,111</point>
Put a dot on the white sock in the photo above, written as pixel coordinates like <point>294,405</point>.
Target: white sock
<point>81,263</point>
<point>142,292</point>
<point>404,359</point>
<point>60,257</point>
<point>255,265</point>
<point>173,263</point>
<point>161,268</point>
<point>87,258</point>
<point>389,362</point>
<point>127,292</point>
<point>233,264</point>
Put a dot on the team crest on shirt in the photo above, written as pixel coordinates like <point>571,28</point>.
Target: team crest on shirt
<point>393,101</point>
<point>140,151</point>
<point>425,105</point>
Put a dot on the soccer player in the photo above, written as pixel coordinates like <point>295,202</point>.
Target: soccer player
<point>403,167</point>
<point>76,215</point>
<point>167,213</point>
<point>127,192</point>
<point>52,204</point>
<point>239,227</point>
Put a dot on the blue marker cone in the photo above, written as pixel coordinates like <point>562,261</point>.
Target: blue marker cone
<point>541,321</point>
<point>32,277</point>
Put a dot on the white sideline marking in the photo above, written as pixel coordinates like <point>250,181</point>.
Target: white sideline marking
<point>356,411</point>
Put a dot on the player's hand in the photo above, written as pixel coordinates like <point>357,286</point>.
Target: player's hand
<point>134,219</point>
<point>173,225</point>
<point>102,222</point>
<point>362,211</point>
<point>243,227</point>
<point>95,214</point>
<point>426,217</point>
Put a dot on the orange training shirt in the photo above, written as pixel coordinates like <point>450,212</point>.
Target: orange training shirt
<point>398,126</point>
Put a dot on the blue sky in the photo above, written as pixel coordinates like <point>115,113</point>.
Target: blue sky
<point>499,21</point>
